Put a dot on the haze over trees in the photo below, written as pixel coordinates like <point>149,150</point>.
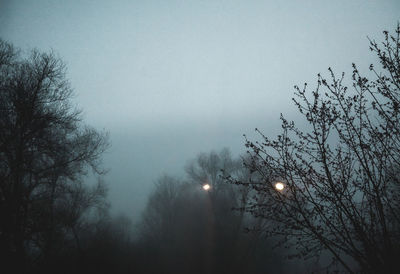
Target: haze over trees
<point>339,194</point>
<point>341,172</point>
<point>188,229</point>
<point>52,221</point>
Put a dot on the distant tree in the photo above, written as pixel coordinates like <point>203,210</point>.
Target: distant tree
<point>341,175</point>
<point>173,228</point>
<point>45,152</point>
<point>106,247</point>
<point>211,168</point>
<point>186,229</point>
<point>160,215</point>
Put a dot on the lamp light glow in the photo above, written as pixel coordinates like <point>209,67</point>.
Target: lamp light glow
<point>279,186</point>
<point>206,187</point>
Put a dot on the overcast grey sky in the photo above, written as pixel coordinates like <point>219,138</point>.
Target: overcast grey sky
<point>169,79</point>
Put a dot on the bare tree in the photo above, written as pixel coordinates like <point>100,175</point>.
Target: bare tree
<point>45,151</point>
<point>340,176</point>
<point>159,220</point>
<point>211,168</point>
<point>192,230</point>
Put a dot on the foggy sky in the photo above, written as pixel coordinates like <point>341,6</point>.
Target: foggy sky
<point>170,79</point>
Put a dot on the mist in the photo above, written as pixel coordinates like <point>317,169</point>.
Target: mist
<point>169,80</point>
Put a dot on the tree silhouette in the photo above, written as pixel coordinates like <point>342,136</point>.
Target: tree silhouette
<point>340,174</point>
<point>186,229</point>
<point>45,150</point>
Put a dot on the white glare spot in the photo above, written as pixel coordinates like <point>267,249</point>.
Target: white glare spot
<point>279,186</point>
<point>206,187</point>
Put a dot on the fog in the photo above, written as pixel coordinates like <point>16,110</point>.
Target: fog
<point>171,79</point>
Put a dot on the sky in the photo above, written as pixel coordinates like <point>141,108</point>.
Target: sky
<point>170,79</point>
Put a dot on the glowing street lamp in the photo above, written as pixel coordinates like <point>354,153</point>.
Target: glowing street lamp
<point>279,186</point>
<point>206,187</point>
